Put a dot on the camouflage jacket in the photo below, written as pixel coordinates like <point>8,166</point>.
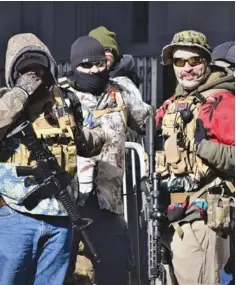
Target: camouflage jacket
<point>104,172</point>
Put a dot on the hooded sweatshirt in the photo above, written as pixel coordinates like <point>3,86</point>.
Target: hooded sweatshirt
<point>12,187</point>
<point>13,101</point>
<point>17,47</point>
<point>217,114</point>
<point>220,155</point>
<point>125,66</point>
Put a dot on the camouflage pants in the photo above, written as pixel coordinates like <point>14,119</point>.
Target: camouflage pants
<point>109,235</point>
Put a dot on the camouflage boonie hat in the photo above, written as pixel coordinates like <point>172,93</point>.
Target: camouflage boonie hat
<point>185,38</point>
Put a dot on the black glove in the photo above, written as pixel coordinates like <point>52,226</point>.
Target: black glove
<point>29,82</point>
<point>200,132</point>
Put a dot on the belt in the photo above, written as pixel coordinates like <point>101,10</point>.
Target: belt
<point>181,197</point>
<point>2,202</point>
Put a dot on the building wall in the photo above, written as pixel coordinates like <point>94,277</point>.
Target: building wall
<point>215,19</point>
<point>58,24</point>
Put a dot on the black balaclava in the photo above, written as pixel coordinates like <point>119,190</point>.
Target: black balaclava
<point>93,83</point>
<point>87,49</point>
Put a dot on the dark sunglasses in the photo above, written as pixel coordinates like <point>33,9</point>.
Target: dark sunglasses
<point>108,49</point>
<point>193,61</point>
<point>89,65</point>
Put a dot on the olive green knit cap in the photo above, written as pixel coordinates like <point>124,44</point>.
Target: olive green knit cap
<point>106,38</point>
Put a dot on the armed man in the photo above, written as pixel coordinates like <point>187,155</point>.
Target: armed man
<point>109,106</point>
<point>37,131</point>
<point>196,127</point>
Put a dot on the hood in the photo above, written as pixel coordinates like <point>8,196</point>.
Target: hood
<point>220,78</point>
<point>225,52</point>
<point>17,47</point>
<point>125,67</point>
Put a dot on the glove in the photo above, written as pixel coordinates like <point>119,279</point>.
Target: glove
<point>29,82</point>
<point>200,132</point>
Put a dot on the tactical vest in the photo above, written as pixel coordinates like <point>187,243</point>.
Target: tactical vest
<point>97,113</point>
<point>59,138</point>
<point>178,156</point>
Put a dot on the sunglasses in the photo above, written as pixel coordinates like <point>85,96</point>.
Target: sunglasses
<point>89,65</point>
<point>108,49</point>
<point>193,61</point>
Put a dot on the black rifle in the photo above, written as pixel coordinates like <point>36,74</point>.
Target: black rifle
<point>152,213</point>
<point>51,179</point>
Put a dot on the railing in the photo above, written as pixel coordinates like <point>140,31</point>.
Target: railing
<point>135,170</point>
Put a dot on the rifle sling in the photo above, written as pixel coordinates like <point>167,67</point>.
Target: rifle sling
<point>173,278</point>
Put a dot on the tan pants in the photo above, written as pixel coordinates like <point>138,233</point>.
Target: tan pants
<point>198,256</point>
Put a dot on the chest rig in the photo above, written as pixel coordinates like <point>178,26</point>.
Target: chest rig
<point>178,156</point>
<point>58,136</point>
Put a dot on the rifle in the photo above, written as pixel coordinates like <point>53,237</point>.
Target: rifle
<point>153,213</point>
<point>50,178</point>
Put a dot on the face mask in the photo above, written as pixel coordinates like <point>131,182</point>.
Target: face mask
<point>94,83</point>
